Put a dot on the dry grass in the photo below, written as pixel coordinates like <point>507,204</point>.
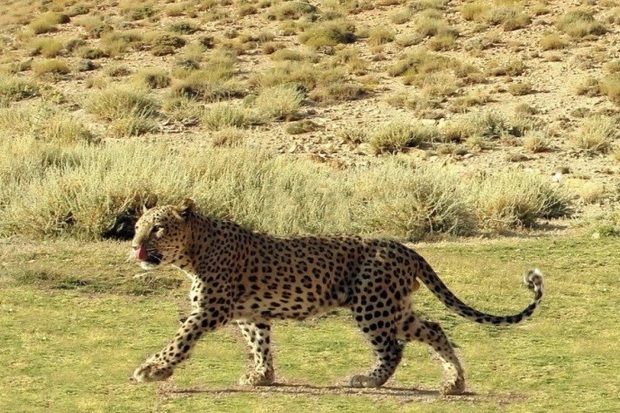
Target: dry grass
<point>153,78</point>
<point>329,34</point>
<point>52,67</point>
<point>14,89</point>
<point>224,115</point>
<point>118,102</point>
<point>596,134</point>
<point>580,23</point>
<point>610,87</point>
<point>508,200</point>
<point>281,102</point>
<point>535,141</point>
<point>396,136</point>
<point>80,190</point>
<point>552,41</point>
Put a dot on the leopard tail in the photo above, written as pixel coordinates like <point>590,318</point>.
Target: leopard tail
<point>533,280</point>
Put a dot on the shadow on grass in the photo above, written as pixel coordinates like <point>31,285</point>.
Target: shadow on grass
<point>305,389</point>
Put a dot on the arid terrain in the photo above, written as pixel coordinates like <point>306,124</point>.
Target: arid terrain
<point>500,86</point>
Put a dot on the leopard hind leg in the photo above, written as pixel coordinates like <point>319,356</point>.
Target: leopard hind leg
<point>411,327</point>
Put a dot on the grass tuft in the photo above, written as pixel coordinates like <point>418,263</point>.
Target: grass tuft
<point>117,102</point>
<point>396,136</point>
<point>596,134</point>
<point>329,33</point>
<point>580,23</point>
<point>13,89</point>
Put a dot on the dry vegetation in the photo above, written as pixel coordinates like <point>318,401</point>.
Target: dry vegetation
<point>323,94</point>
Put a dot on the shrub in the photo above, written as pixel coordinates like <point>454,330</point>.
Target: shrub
<point>412,201</point>
<point>228,137</point>
<point>588,87</point>
<point>183,110</point>
<point>395,136</point>
<point>13,89</point>
<point>165,44</point>
<point>303,126</point>
<point>183,27</point>
<point>117,43</point>
<point>280,102</point>
<point>64,129</point>
<point>535,141</point>
<point>474,11</point>
<point>552,41</point>
<point>520,89</point>
<point>119,102</point>
<point>47,23</point>
<point>82,190</point>
<point>208,86</point>
<point>379,35</point>
<point>52,67</point>
<point>514,199</point>
<point>509,18</point>
<point>94,25</point>
<point>514,67</point>
<point>291,10</point>
<point>401,16</point>
<point>610,87</point>
<point>153,78</point>
<point>329,33</point>
<point>596,134</point>
<point>443,41</point>
<point>131,125</point>
<point>222,115</point>
<point>580,23</point>
<point>47,47</point>
<point>135,11</point>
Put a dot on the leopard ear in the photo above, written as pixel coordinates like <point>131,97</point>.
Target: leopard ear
<point>149,202</point>
<point>186,208</point>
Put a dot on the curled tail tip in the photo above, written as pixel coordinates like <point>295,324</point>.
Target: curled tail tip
<point>533,279</point>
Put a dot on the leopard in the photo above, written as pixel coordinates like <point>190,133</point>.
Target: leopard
<point>253,279</point>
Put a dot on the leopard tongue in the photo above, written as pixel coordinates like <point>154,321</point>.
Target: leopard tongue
<point>140,252</point>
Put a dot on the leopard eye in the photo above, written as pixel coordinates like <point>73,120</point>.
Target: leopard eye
<point>156,228</point>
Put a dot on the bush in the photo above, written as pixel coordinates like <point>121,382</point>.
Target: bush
<point>52,67</point>
<point>380,35</point>
<point>329,33</point>
<point>13,89</point>
<point>552,41</point>
<point>47,47</point>
<point>610,87</point>
<point>596,134</point>
<point>153,78</point>
<point>82,190</point>
<point>280,102</point>
<point>183,27</point>
<point>118,102</point>
<point>63,129</point>
<point>580,23</point>
<point>396,136</point>
<point>412,201</point>
<point>222,115</point>
<point>535,141</point>
<point>514,199</point>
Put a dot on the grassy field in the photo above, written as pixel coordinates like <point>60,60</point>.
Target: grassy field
<point>76,322</point>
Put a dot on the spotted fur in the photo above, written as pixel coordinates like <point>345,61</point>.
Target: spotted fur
<point>252,278</point>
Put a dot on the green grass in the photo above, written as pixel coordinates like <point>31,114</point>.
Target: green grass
<point>76,323</point>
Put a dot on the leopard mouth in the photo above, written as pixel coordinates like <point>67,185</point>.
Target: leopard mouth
<point>148,258</point>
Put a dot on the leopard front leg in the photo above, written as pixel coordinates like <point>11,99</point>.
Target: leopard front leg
<point>161,365</point>
<point>258,336</point>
